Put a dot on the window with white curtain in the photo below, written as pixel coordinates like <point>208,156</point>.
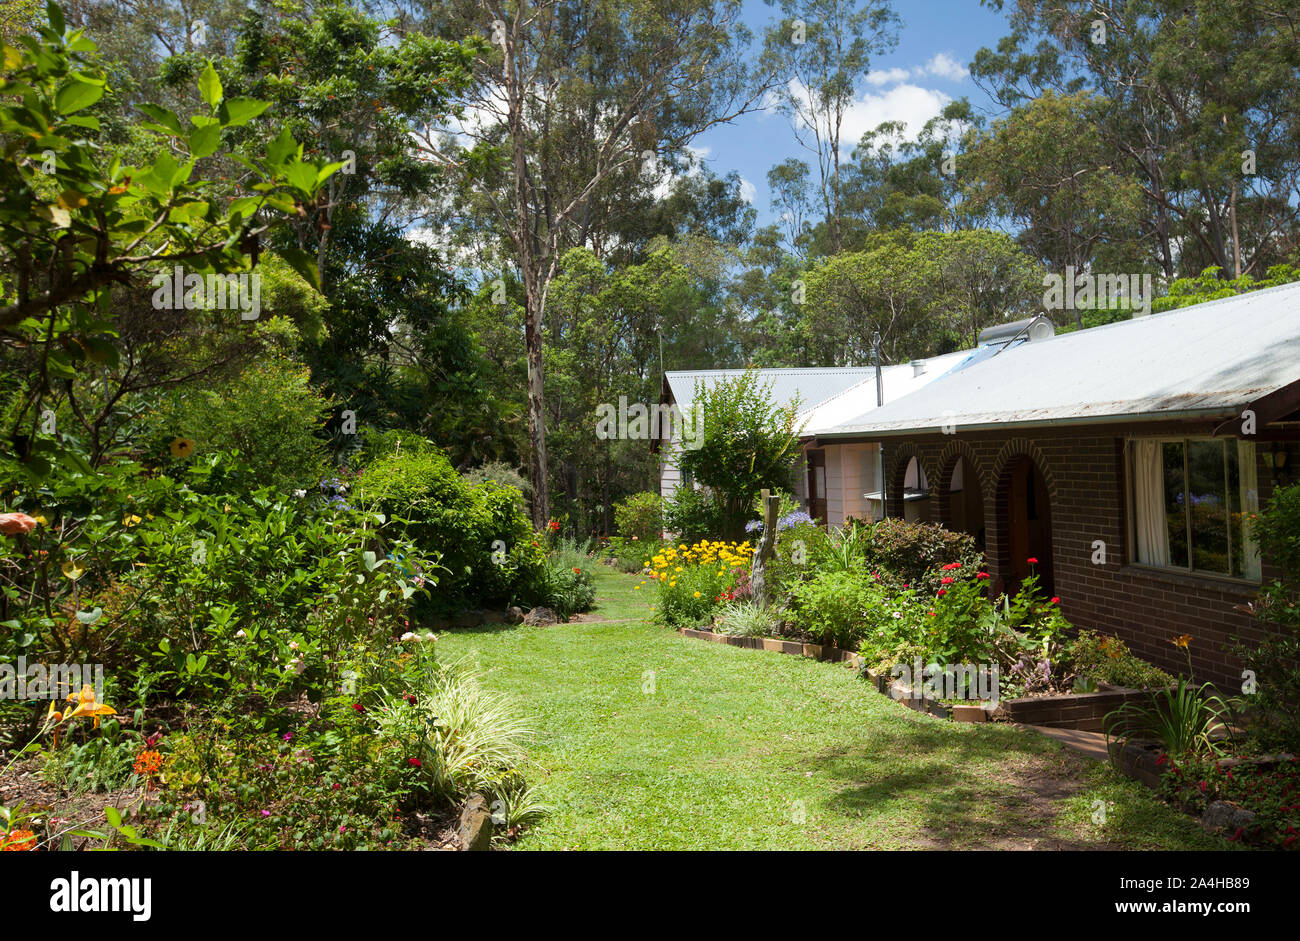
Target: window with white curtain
<point>1190,501</point>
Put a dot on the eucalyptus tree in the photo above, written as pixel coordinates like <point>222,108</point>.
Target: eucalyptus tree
<point>1193,101</point>
<point>574,106</point>
<point>820,50</point>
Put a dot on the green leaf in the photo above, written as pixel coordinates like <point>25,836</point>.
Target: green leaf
<point>210,86</point>
<point>114,816</point>
<point>302,176</point>
<point>302,263</point>
<point>90,617</point>
<point>205,141</point>
<point>78,94</point>
<point>165,118</point>
<point>55,15</point>
<point>236,112</point>
<point>280,149</point>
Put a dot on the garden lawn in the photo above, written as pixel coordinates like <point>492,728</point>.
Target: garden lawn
<point>648,740</point>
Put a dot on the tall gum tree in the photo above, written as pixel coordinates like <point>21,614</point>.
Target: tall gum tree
<point>569,98</point>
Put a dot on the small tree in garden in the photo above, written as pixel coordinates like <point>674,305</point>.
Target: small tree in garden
<point>640,516</point>
<point>1273,683</point>
<point>748,442</point>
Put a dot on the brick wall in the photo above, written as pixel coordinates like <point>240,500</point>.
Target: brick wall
<point>1084,473</point>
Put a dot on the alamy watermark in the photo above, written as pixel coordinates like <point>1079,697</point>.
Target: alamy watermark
<point>56,681</point>
<point>180,291</point>
<point>1088,291</point>
<point>639,422</point>
<point>941,681</point>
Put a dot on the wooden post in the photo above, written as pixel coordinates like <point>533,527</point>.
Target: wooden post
<point>766,543</point>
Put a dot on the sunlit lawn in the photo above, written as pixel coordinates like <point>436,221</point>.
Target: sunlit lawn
<point>648,740</point>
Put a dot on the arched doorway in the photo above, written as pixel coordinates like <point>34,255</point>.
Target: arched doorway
<point>916,493</point>
<point>1028,527</point>
<point>966,501</point>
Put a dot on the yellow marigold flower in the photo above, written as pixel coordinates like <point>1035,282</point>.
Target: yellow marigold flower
<point>697,594</point>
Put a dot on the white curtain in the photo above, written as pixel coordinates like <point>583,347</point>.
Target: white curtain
<point>1249,478</point>
<point>1149,524</point>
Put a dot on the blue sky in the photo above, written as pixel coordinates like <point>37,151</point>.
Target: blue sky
<point>928,68</point>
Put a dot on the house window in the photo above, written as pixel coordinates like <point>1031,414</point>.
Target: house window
<point>1189,502</point>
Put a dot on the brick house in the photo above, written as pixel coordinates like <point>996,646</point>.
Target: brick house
<point>1126,459</point>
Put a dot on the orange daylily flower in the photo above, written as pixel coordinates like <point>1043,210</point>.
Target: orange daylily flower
<point>1182,640</point>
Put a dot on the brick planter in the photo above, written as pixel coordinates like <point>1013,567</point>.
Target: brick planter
<point>1083,711</point>
<point>776,645</point>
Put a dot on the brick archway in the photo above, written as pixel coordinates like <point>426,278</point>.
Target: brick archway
<point>898,459</point>
<point>1025,494</point>
<point>973,514</point>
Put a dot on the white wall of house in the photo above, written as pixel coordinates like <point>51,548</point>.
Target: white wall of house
<point>852,471</point>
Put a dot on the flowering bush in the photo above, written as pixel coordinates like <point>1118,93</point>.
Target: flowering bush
<point>694,579</point>
<point>1271,790</point>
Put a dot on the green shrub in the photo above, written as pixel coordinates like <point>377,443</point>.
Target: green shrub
<point>502,474</point>
<point>269,414</point>
<point>474,528</point>
<point>1108,660</point>
<point>794,556</point>
<point>692,515</point>
<point>840,608</point>
<point>640,516</point>
<point>913,554</point>
<point>632,555</point>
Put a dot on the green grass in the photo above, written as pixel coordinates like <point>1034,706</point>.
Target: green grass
<point>648,740</point>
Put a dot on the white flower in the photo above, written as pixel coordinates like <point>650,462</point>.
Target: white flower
<point>898,614</point>
<point>297,665</point>
<point>293,645</point>
<point>429,636</point>
<point>300,493</point>
<point>240,633</point>
<point>409,636</point>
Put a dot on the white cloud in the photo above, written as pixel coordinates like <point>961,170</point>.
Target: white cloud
<point>945,66</point>
<point>909,104</point>
<point>940,65</point>
<point>747,190</point>
<point>888,76</point>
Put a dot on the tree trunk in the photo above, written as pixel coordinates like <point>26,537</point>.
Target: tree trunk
<point>537,468</point>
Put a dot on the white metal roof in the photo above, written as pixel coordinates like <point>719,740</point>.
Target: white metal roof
<point>898,381</point>
<point>1208,359</point>
<point>811,385</point>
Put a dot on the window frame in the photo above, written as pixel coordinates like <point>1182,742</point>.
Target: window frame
<point>1130,512</point>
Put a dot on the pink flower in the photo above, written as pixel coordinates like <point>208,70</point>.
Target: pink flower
<point>16,524</point>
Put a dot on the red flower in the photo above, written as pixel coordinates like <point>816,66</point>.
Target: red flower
<point>907,586</point>
<point>414,762</point>
<point>1032,561</point>
<point>357,707</point>
<point>941,592</point>
<point>983,575</point>
<point>951,566</point>
<point>947,580</point>
<point>412,700</point>
<point>1056,599</point>
<point>1162,759</point>
<point>553,526</point>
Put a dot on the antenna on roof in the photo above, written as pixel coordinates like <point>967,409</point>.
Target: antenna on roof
<point>880,379</point>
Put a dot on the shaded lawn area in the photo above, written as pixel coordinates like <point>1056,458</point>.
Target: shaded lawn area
<point>648,740</point>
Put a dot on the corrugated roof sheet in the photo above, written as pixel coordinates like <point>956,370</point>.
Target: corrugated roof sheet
<point>811,385</point>
<point>1209,359</point>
